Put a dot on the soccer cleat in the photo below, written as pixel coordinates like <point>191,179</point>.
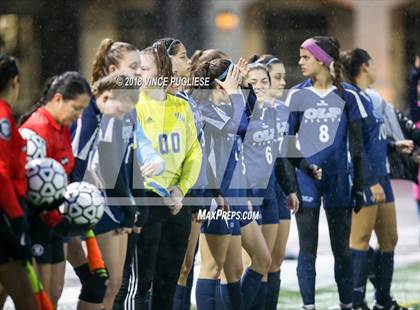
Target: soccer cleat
<point>362,306</point>
<point>394,306</point>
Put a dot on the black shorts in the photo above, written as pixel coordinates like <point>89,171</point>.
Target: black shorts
<point>47,245</point>
<point>7,251</point>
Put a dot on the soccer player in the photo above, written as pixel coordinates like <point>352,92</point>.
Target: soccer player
<point>113,161</point>
<point>14,231</point>
<point>220,240</point>
<point>181,68</point>
<point>262,145</point>
<point>378,212</point>
<point>276,71</point>
<point>63,101</point>
<point>324,114</point>
<point>169,123</point>
<point>110,100</point>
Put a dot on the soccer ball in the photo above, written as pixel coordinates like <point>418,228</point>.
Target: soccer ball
<point>35,144</point>
<point>47,180</point>
<point>83,204</point>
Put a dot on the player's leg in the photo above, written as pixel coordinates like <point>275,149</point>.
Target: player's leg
<point>277,256</point>
<point>269,228</point>
<point>339,225</point>
<point>113,247</point>
<point>145,262</point>
<point>15,282</point>
<point>386,232</point>
<point>254,244</point>
<point>214,244</point>
<point>230,288</point>
<point>172,249</point>
<point>362,226</point>
<point>93,287</point>
<point>278,252</point>
<point>307,220</point>
<point>48,252</point>
<point>187,265</point>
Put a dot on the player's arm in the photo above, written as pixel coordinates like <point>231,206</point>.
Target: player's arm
<point>356,113</point>
<point>193,157</point>
<point>149,160</point>
<point>9,202</point>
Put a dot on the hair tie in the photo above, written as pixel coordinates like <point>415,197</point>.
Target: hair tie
<point>222,76</point>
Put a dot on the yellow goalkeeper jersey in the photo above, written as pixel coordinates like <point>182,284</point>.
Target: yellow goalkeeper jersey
<point>170,126</point>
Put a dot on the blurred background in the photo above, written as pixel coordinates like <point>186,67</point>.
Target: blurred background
<point>49,36</point>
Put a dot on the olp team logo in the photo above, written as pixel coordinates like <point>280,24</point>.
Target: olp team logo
<point>5,130</point>
<point>37,250</point>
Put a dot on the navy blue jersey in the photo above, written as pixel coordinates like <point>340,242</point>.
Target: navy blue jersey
<point>225,128</point>
<point>375,142</point>
<point>320,122</point>
<point>260,147</point>
<point>84,137</point>
<point>199,123</point>
<point>114,155</point>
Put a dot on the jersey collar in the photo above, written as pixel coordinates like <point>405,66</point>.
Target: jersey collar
<point>51,120</point>
<point>6,104</point>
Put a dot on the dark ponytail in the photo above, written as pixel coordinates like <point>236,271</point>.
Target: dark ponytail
<point>352,63</point>
<point>109,53</point>
<point>172,45</point>
<point>332,47</point>
<point>211,70</point>
<point>253,58</point>
<point>200,56</point>
<point>70,84</point>
<point>8,70</point>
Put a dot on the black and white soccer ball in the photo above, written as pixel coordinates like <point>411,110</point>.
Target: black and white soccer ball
<point>47,180</point>
<point>83,204</point>
<point>35,144</point>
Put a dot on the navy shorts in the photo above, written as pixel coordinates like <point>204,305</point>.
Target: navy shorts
<point>112,219</point>
<point>386,185</point>
<point>284,212</point>
<point>334,190</point>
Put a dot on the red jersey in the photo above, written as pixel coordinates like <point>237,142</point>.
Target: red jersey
<point>12,163</point>
<point>57,138</point>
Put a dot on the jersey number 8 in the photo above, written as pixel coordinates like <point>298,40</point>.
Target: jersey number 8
<point>323,134</point>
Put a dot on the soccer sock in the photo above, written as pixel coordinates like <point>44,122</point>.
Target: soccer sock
<point>259,301</point>
<point>218,298</point>
<point>371,266</point>
<point>190,280</point>
<point>232,296</point>
<point>306,278</point>
<point>250,284</point>
<point>384,269</point>
<point>179,298</point>
<point>205,293</point>
<point>360,268</point>
<point>273,290</point>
